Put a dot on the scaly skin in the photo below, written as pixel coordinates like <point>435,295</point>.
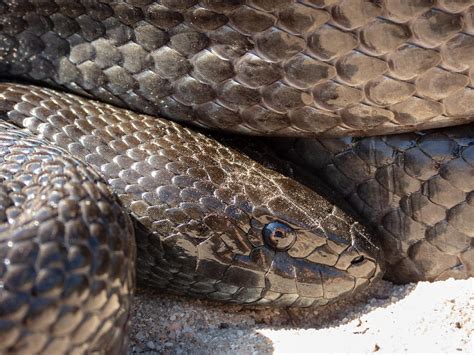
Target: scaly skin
<point>204,214</point>
<point>415,189</point>
<point>67,253</point>
<point>211,222</point>
<point>286,67</point>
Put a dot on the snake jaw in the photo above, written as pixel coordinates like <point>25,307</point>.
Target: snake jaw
<point>323,263</point>
<point>318,267</point>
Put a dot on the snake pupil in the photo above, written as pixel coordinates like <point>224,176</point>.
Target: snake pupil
<point>279,234</point>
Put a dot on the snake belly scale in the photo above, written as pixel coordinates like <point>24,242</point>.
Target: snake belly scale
<point>94,196</point>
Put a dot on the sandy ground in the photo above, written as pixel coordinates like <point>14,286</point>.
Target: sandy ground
<point>416,318</point>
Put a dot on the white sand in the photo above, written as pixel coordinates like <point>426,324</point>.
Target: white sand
<point>416,318</point>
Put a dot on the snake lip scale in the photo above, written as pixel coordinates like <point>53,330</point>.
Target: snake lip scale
<point>369,103</point>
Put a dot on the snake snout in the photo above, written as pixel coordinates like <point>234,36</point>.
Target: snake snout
<point>284,262</point>
<point>319,267</point>
<point>328,253</point>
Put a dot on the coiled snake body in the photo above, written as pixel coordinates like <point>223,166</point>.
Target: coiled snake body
<point>206,220</point>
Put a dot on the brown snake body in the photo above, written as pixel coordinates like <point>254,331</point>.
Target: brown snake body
<point>208,221</point>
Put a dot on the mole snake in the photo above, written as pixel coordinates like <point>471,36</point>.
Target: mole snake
<point>93,193</point>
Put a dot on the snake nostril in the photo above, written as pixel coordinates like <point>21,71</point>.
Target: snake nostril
<point>278,236</point>
<point>357,260</point>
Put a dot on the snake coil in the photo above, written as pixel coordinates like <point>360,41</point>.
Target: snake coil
<point>87,185</point>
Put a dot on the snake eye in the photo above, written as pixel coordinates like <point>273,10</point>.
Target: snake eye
<point>279,236</point>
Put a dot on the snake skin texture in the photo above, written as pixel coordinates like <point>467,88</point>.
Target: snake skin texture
<point>203,210</point>
<point>284,67</point>
<point>415,189</point>
<point>207,220</point>
<point>67,253</point>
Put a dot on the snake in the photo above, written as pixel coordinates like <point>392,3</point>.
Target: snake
<point>111,175</point>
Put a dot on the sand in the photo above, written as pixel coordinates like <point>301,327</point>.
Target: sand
<point>415,318</point>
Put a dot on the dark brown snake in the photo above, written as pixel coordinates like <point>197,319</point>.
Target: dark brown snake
<point>86,186</point>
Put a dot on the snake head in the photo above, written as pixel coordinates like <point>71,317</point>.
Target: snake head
<point>313,265</point>
<point>282,245</point>
<point>305,251</point>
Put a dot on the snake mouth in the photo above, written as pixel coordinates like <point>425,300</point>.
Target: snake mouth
<point>329,272</point>
<point>313,284</point>
<point>281,264</point>
<point>298,267</point>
